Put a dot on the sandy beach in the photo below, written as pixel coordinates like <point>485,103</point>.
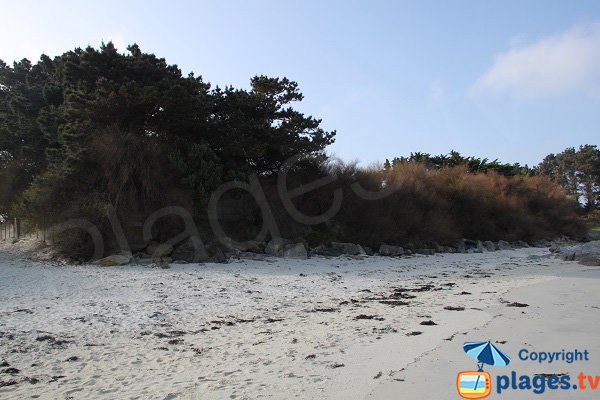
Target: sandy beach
<point>322,328</point>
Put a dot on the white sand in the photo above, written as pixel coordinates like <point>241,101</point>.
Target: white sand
<point>244,330</point>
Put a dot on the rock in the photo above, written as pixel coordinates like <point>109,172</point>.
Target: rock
<point>215,254</point>
<point>189,252</point>
<point>437,248</point>
<point>368,251</point>
<point>296,250</point>
<point>461,247</point>
<point>489,245</point>
<point>593,235</point>
<point>115,260</point>
<point>554,247</point>
<point>587,253</point>
<point>503,245</point>
<point>426,252</point>
<point>480,248</point>
<point>249,255</point>
<point>252,246</point>
<point>159,249</point>
<point>391,251</point>
<point>276,247</point>
<point>347,248</point>
<point>323,250</point>
<point>542,243</point>
<point>520,244</point>
<point>162,263</point>
<point>339,249</point>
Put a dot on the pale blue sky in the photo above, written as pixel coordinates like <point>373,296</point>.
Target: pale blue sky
<point>512,80</point>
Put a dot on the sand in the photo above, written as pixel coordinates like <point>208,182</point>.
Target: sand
<point>323,328</point>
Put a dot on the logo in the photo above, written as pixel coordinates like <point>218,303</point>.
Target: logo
<point>478,384</point>
<point>474,384</point>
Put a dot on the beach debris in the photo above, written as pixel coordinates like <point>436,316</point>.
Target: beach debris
<point>428,323</point>
<point>337,365</point>
<point>374,317</point>
<point>414,333</point>
<point>394,302</point>
<point>272,320</point>
<point>310,357</point>
<point>385,329</point>
<point>516,304</point>
<point>452,308</point>
<point>324,309</point>
<point>10,371</point>
<point>379,374</point>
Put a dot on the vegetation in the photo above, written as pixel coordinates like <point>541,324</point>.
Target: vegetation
<point>578,172</point>
<point>95,129</point>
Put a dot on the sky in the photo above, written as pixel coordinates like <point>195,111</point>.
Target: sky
<point>507,80</point>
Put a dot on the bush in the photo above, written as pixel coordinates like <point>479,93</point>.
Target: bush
<point>444,205</point>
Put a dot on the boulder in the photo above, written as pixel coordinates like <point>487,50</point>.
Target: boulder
<point>215,254</point>
<point>115,260</point>
<point>461,247</point>
<point>252,246</point>
<point>296,250</point>
<point>189,252</point>
<point>489,245</point>
<point>542,243</point>
<point>159,249</point>
<point>520,244</point>
<point>479,247</point>
<point>391,251</point>
<point>368,251</point>
<point>426,252</point>
<point>554,247</point>
<point>347,248</point>
<point>276,246</point>
<point>503,245</point>
<point>587,253</point>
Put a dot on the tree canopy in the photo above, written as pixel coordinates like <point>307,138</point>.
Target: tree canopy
<point>95,126</point>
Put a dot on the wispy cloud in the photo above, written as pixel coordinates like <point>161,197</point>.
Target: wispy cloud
<point>554,65</point>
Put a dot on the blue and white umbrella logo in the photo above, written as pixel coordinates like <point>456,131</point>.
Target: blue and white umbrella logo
<point>486,353</point>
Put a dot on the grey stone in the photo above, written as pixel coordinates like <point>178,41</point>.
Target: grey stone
<point>115,260</point>
<point>426,252</point>
<point>296,250</point>
<point>461,246</point>
<point>587,253</point>
<point>489,245</point>
<point>368,251</point>
<point>504,245</point>
<point>391,251</point>
<point>192,250</point>
<point>276,247</point>
<point>480,248</point>
<point>159,249</point>
<point>347,248</point>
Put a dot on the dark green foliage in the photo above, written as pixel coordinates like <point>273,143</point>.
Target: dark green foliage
<point>94,127</point>
<point>577,171</point>
<point>455,159</point>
